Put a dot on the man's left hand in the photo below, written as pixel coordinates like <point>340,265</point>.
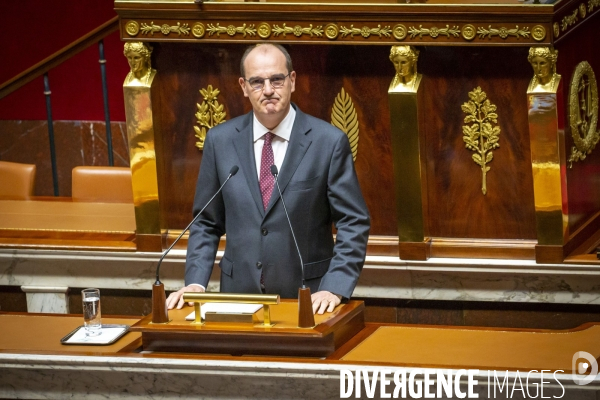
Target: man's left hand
<point>324,301</point>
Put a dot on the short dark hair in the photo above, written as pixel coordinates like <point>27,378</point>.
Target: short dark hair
<point>288,59</point>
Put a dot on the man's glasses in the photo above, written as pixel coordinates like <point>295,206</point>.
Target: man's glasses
<point>277,81</point>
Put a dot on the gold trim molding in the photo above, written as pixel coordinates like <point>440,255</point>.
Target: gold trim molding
<point>569,20</point>
<point>503,32</point>
<point>344,117</point>
<point>434,32</point>
<point>231,30</point>
<point>583,112</point>
<point>365,31</point>
<point>297,30</point>
<point>481,136</point>
<point>165,29</point>
<point>210,114</point>
<point>593,4</point>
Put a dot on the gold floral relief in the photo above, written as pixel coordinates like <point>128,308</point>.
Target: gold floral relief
<point>583,112</point>
<point>479,134</point>
<point>180,29</point>
<point>210,114</point>
<point>343,116</point>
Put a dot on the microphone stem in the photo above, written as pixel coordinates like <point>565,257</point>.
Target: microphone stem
<point>188,227</point>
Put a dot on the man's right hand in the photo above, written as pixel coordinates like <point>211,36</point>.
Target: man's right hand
<point>176,298</point>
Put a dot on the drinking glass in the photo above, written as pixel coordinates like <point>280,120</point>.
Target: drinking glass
<point>92,318</point>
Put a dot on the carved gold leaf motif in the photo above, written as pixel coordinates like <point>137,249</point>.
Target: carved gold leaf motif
<point>343,116</point>
<point>481,136</point>
<point>298,30</point>
<point>502,32</point>
<point>231,30</point>
<point>569,20</point>
<point>210,113</point>
<point>165,29</point>
<point>433,31</point>
<point>592,4</point>
<point>583,112</point>
<point>365,31</point>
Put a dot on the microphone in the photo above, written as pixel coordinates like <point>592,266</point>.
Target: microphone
<point>159,313</point>
<point>275,173</point>
<point>306,318</point>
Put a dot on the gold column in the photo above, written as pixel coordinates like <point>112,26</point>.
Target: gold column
<point>548,157</point>
<point>409,177</point>
<point>140,134</point>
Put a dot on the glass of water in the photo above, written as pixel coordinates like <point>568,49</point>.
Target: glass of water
<point>92,318</point>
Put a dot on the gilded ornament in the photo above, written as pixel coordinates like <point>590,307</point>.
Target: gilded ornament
<point>343,116</point>
<point>231,30</point>
<point>543,61</point>
<point>481,136</point>
<point>582,10</point>
<point>165,29</point>
<point>332,31</point>
<point>264,30</point>
<point>556,28</point>
<point>132,28</point>
<point>583,112</point>
<point>399,31</point>
<point>502,32</point>
<point>405,60</point>
<point>210,114</point>
<point>569,20</point>
<point>468,32</point>
<point>138,57</point>
<point>593,4</point>
<point>434,32</point>
<point>198,29</point>
<point>298,30</point>
<point>365,31</point>
<point>538,33</point>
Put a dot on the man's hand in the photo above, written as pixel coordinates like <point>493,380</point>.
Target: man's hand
<point>176,298</point>
<point>324,301</point>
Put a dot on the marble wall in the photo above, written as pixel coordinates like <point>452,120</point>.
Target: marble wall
<point>76,143</point>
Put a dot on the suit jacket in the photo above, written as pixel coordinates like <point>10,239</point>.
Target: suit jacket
<point>319,186</point>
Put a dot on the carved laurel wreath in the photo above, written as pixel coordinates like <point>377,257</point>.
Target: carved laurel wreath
<point>583,98</point>
<point>343,116</point>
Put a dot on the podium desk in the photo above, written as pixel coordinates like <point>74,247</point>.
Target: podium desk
<point>33,365</point>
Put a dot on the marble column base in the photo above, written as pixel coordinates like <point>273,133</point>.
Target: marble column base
<point>47,299</point>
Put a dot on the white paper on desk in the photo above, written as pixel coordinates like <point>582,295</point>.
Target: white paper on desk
<point>107,335</point>
<point>225,308</point>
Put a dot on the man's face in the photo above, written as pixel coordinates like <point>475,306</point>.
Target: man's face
<point>270,104</point>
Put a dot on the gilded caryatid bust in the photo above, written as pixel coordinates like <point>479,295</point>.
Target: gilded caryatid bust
<point>545,79</point>
<point>404,59</point>
<point>138,57</point>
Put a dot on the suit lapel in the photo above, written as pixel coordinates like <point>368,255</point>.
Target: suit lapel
<point>297,147</point>
<point>244,147</point>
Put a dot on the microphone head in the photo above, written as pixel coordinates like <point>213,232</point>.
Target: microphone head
<point>234,170</point>
<point>274,170</point>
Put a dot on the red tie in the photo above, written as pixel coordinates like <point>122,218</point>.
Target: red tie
<point>266,178</point>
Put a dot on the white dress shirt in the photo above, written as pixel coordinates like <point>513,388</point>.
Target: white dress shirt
<point>281,138</point>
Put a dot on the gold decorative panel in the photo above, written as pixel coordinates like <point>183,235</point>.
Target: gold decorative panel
<point>583,112</point>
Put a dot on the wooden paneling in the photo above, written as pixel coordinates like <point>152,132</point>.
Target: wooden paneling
<point>457,206</point>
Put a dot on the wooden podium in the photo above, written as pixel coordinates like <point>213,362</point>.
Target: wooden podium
<point>284,338</point>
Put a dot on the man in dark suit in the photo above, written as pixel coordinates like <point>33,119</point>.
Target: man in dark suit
<point>319,186</point>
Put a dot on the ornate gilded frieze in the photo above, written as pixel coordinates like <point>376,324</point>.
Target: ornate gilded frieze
<point>593,4</point>
<point>583,112</point>
<point>479,134</point>
<point>366,31</point>
<point>433,31</point>
<point>336,31</point>
<point>210,113</point>
<point>503,32</point>
<point>570,20</point>
<point>165,29</point>
<point>343,116</point>
<point>575,16</point>
<point>231,30</point>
